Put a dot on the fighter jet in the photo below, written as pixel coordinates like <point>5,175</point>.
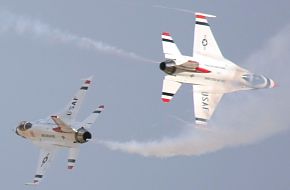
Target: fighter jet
<point>207,70</point>
<point>60,131</point>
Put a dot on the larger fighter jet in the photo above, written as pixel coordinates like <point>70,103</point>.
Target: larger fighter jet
<point>208,71</point>
<point>60,131</point>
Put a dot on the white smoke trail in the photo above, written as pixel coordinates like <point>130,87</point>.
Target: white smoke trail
<point>21,25</point>
<point>246,117</point>
<point>174,9</point>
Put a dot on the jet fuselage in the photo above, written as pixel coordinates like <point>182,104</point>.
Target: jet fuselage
<point>52,134</point>
<point>222,74</point>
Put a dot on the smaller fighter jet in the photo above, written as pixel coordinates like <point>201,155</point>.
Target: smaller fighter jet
<point>207,70</point>
<point>59,131</point>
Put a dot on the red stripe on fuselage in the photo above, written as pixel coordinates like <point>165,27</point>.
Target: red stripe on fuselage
<point>57,129</point>
<point>202,70</point>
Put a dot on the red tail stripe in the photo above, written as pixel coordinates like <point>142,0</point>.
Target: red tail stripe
<point>201,16</point>
<point>165,100</point>
<point>87,82</point>
<point>166,33</point>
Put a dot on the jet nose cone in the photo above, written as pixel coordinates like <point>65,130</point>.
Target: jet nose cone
<point>16,131</point>
<point>272,84</point>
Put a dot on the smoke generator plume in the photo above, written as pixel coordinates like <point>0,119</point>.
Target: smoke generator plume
<point>10,22</point>
<point>243,118</point>
<point>174,9</point>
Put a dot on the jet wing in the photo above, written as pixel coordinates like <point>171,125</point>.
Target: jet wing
<point>61,125</point>
<point>205,102</point>
<point>170,87</point>
<point>204,41</point>
<point>45,158</point>
<point>74,105</point>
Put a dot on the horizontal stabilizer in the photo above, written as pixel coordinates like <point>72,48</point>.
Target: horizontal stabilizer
<point>170,49</point>
<point>91,119</point>
<point>169,89</point>
<point>72,157</point>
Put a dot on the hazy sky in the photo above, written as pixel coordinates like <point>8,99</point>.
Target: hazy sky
<point>48,46</point>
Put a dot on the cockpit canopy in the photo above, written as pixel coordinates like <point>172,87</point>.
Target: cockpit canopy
<point>255,81</point>
<point>24,125</point>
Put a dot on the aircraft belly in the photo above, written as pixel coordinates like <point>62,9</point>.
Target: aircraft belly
<point>56,138</point>
<point>200,79</point>
<point>222,83</point>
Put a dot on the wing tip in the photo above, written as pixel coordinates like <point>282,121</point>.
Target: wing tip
<point>166,34</point>
<point>203,15</point>
<point>88,80</point>
<point>200,121</point>
<point>35,182</point>
<point>165,100</point>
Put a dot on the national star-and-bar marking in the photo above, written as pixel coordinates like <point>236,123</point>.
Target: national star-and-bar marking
<point>44,160</point>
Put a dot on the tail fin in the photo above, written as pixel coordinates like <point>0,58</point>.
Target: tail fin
<point>91,119</point>
<point>170,49</point>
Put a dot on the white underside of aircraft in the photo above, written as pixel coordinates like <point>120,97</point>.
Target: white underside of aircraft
<point>210,74</point>
<point>60,131</point>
